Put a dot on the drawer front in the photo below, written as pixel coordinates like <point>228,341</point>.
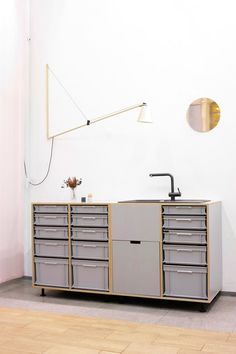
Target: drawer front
<point>51,219</point>
<point>91,275</point>
<point>51,248</point>
<point>186,282</point>
<point>89,234</point>
<point>89,209</point>
<point>47,208</point>
<point>90,250</point>
<point>184,210</point>
<point>183,236</point>
<point>89,220</point>
<point>184,222</point>
<point>51,232</point>
<point>51,272</point>
<point>184,254</point>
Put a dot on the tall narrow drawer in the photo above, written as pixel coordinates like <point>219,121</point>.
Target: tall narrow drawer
<point>51,232</point>
<point>184,254</point>
<point>183,236</point>
<point>88,220</point>
<point>51,272</point>
<point>184,222</point>
<point>91,275</point>
<point>89,209</point>
<point>96,234</point>
<point>51,248</point>
<point>90,250</point>
<point>184,210</point>
<point>51,219</point>
<point>185,281</point>
<point>48,208</point>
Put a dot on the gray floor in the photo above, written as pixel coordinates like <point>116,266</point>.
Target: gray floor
<point>221,316</point>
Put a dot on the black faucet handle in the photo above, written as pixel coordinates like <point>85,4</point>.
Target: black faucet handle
<point>175,194</point>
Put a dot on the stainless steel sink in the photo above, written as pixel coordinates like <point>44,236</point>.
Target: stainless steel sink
<point>165,201</point>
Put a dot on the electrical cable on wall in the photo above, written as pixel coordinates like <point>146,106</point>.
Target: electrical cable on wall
<point>48,169</point>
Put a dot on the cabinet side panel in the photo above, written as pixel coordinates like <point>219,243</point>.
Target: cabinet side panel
<point>214,249</point>
<point>136,222</point>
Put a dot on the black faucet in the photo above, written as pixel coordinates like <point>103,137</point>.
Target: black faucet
<point>172,194</point>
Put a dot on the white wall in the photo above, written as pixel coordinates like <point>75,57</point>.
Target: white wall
<point>112,54</point>
<point>13,69</point>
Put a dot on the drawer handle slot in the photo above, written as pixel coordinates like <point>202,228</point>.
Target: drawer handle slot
<point>89,265</point>
<point>183,207</point>
<point>88,231</point>
<point>185,271</point>
<point>53,230</point>
<point>183,219</point>
<point>53,263</point>
<point>49,217</point>
<point>184,250</point>
<point>90,246</point>
<point>51,244</point>
<point>184,234</point>
<point>89,217</point>
<point>135,242</point>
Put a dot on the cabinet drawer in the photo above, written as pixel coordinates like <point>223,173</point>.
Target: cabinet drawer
<point>185,281</point>
<point>51,248</point>
<point>184,222</point>
<point>51,272</point>
<point>183,236</point>
<point>91,275</point>
<point>90,250</point>
<point>88,220</point>
<point>51,232</point>
<point>184,210</point>
<point>184,254</point>
<point>100,234</point>
<point>51,219</point>
<point>47,208</point>
<point>89,209</point>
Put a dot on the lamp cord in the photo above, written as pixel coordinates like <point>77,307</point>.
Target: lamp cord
<point>48,169</point>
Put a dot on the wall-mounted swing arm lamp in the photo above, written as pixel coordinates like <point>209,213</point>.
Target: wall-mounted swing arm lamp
<point>144,115</point>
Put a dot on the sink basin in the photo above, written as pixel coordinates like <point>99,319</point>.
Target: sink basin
<point>165,201</point>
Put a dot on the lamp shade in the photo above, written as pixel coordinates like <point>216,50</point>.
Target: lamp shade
<point>144,115</point>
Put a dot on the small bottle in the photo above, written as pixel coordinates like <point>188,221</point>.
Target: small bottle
<point>89,198</point>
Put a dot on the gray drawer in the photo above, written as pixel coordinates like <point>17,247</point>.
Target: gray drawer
<point>184,210</point>
<point>51,248</point>
<point>91,275</point>
<point>183,236</point>
<point>185,281</point>
<point>95,234</point>
<point>184,222</point>
<point>51,232</point>
<point>184,254</point>
<point>88,220</point>
<point>90,250</point>
<point>89,209</point>
<point>47,208</point>
<point>51,272</point>
<point>51,219</point>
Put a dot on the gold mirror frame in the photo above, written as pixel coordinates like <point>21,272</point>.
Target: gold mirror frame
<point>203,114</point>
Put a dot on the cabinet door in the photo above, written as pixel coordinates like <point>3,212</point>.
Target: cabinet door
<point>140,222</point>
<point>136,268</point>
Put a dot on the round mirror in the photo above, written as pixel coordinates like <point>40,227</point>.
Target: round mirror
<point>203,114</point>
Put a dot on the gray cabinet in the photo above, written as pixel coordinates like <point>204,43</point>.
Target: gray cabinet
<point>135,249</point>
<point>140,222</point>
<point>136,268</point>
